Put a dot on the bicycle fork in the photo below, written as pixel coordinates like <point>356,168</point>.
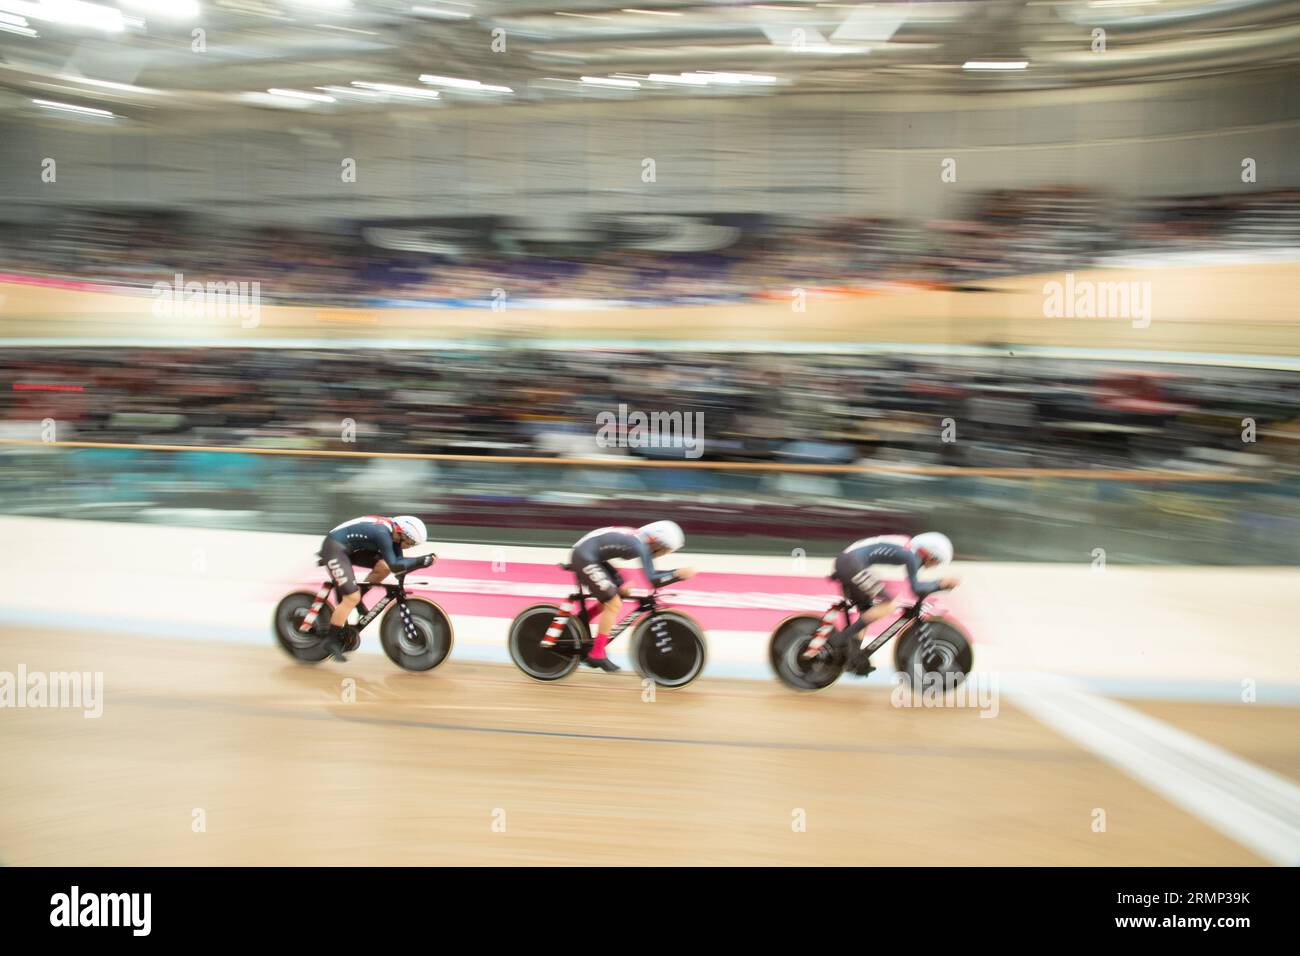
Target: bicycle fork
<point>823,632</point>
<point>927,646</point>
<point>408,623</point>
<point>309,620</point>
<point>557,626</point>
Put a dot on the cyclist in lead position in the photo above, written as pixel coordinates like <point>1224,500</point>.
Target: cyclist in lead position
<point>590,560</point>
<point>854,571</point>
<point>372,542</point>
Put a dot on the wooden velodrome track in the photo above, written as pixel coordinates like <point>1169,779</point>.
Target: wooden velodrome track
<point>1223,308</point>
<point>475,764</point>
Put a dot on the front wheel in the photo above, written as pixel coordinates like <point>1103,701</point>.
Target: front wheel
<point>935,648</point>
<point>306,646</point>
<point>668,647</point>
<point>545,663</point>
<point>420,643</point>
<point>785,652</point>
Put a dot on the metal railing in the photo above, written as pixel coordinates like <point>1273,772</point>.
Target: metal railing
<point>751,507</point>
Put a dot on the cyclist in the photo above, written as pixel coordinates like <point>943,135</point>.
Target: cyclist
<point>372,542</point>
<point>590,560</point>
<point>854,571</point>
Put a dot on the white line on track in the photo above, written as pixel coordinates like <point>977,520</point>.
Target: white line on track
<point>1247,803</point>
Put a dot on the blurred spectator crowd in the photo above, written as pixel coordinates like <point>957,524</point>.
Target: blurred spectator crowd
<point>794,408</point>
<point>1002,233</point>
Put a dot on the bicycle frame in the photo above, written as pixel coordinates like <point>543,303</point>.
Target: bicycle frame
<point>575,604</point>
<point>393,592</point>
<point>900,626</point>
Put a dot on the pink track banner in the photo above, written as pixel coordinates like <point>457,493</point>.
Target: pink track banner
<point>718,601</point>
<point>79,285</point>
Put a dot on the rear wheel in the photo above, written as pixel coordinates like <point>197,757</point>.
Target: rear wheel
<point>785,652</point>
<point>422,646</point>
<point>668,647</point>
<point>935,648</point>
<point>306,646</point>
<point>545,663</point>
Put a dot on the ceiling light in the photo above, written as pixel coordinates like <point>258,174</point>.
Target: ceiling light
<point>302,95</point>
<point>69,12</point>
<point>69,108</point>
<point>439,12</point>
<point>167,9</point>
<point>606,81</point>
<point>739,77</point>
<point>995,64</point>
<point>331,26</point>
<point>109,84</point>
<point>686,79</point>
<point>583,16</point>
<point>414,92</point>
<point>450,81</point>
<point>349,91</point>
<point>275,102</point>
<point>653,13</point>
<point>469,86</point>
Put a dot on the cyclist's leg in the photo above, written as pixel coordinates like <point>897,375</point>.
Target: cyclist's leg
<point>335,558</point>
<point>339,566</point>
<point>860,588</point>
<point>603,582</point>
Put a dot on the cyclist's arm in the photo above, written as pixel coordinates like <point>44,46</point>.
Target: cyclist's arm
<point>919,588</point>
<point>656,578</point>
<point>387,551</point>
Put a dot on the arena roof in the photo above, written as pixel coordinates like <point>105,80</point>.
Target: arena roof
<point>141,59</point>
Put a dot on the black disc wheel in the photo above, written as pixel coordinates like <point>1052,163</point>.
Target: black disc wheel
<point>934,648</point>
<point>668,648</point>
<point>545,663</point>
<point>786,655</point>
<point>306,646</point>
<point>419,640</point>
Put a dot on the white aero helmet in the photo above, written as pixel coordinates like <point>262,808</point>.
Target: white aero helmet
<point>664,534</point>
<point>932,546</point>
<point>412,528</point>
